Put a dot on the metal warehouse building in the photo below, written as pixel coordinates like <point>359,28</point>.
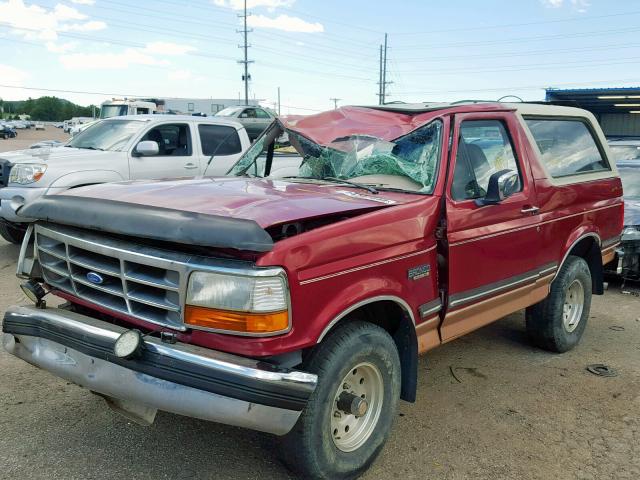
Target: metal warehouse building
<point>617,109</point>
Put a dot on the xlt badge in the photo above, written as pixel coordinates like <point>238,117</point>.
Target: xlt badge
<point>419,272</point>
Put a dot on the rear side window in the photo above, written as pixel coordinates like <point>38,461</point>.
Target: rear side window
<point>261,113</point>
<point>219,140</point>
<point>567,146</point>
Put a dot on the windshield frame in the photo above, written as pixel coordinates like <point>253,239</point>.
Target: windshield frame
<point>277,124</point>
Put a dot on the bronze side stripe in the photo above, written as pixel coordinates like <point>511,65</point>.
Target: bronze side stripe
<point>531,276</point>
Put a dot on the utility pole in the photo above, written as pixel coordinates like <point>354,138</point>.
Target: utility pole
<point>384,72</point>
<point>335,102</point>
<point>278,101</point>
<point>246,77</point>
<point>380,79</point>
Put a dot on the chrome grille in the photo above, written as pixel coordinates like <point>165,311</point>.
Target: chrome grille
<point>133,282</point>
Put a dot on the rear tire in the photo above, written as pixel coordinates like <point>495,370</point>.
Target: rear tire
<point>558,322</point>
<point>358,359</point>
<point>11,234</point>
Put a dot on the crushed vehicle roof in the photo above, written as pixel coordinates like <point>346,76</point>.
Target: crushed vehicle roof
<point>391,121</point>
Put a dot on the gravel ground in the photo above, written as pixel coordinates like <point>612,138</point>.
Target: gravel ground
<point>511,411</point>
<point>27,137</point>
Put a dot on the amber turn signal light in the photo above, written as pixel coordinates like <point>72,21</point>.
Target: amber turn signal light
<point>240,322</point>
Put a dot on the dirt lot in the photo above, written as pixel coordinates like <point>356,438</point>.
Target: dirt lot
<point>27,137</point>
<point>511,411</point>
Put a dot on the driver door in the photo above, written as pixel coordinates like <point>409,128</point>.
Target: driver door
<point>175,158</point>
<point>492,249</point>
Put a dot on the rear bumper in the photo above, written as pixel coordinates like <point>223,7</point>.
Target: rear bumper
<point>179,378</point>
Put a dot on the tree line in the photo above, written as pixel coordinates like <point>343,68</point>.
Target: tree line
<point>46,109</point>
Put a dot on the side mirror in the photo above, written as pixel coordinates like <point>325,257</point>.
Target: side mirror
<point>502,184</point>
<point>146,148</point>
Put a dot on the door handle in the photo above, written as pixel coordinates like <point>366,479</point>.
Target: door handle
<point>531,210</point>
<point>190,166</point>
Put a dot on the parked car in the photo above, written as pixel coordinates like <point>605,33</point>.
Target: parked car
<point>298,306</point>
<point>625,149</point>
<point>39,126</point>
<point>254,119</point>
<point>120,148</point>
<point>627,260</point>
<point>79,127</point>
<point>7,131</point>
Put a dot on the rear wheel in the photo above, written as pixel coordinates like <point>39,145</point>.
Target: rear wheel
<point>558,322</point>
<point>348,418</point>
<point>11,234</point>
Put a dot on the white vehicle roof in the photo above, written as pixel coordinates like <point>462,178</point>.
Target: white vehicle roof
<point>155,118</point>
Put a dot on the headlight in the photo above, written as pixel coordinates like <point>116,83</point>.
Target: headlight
<point>24,173</point>
<point>630,234</point>
<point>238,304</point>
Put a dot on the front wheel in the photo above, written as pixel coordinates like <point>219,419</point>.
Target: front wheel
<point>558,322</point>
<point>348,418</point>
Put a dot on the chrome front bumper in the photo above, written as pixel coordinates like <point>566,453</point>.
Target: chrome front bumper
<point>179,378</point>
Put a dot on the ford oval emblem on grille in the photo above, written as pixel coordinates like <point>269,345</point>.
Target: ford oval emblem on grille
<point>96,278</point>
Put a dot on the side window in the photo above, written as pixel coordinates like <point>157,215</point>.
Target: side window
<point>248,113</point>
<point>261,113</point>
<point>567,146</point>
<point>484,148</point>
<point>219,140</point>
<point>172,139</point>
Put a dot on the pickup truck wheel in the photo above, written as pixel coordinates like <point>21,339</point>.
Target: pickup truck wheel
<point>558,322</point>
<point>11,234</point>
<point>348,417</point>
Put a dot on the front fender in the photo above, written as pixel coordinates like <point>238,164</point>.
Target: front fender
<point>90,177</point>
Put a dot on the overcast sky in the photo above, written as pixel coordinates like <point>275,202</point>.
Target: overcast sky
<point>316,50</point>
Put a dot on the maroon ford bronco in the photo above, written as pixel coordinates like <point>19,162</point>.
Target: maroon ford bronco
<point>299,305</point>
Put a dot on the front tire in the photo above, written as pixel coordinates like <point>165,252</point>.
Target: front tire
<point>11,234</point>
<point>558,322</point>
<point>335,436</point>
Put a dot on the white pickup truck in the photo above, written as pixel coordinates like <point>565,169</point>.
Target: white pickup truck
<point>116,149</point>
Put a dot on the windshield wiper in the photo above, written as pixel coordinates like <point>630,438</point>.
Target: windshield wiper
<point>91,148</point>
<point>333,180</point>
<point>353,184</point>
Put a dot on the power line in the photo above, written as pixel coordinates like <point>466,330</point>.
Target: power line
<point>109,94</point>
<point>510,25</point>
<point>503,41</point>
<point>335,102</point>
<point>536,66</point>
<point>197,21</point>
<point>199,54</point>
<point>526,87</point>
<point>520,53</point>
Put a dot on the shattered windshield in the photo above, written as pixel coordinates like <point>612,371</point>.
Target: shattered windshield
<point>408,163</point>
